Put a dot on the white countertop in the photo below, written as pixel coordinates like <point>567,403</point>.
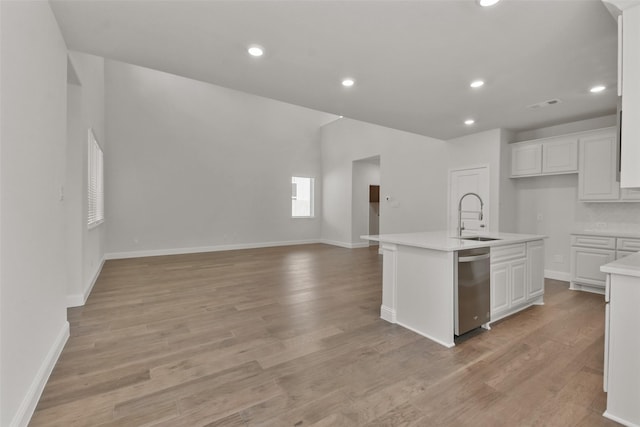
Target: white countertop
<point>442,241</point>
<point>608,233</point>
<point>627,266</point>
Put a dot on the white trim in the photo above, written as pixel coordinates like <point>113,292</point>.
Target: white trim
<point>218,248</point>
<point>557,275</point>
<point>30,400</point>
<point>586,288</point>
<point>609,415</point>
<point>446,344</point>
<point>387,314</point>
<point>78,300</point>
<point>347,245</point>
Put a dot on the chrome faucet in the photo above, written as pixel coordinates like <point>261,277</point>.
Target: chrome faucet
<point>460,225</point>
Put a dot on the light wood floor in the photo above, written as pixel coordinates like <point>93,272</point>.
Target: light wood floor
<point>291,336</point>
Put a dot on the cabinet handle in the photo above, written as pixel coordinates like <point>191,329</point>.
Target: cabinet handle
<point>473,258</point>
<point>620,55</point>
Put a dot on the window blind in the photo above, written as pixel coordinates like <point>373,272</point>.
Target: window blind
<point>95,182</point>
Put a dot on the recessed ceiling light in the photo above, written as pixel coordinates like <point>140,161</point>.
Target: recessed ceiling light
<point>476,83</point>
<point>469,122</point>
<point>340,117</point>
<point>597,89</point>
<point>348,82</point>
<point>255,50</point>
<point>487,3</point>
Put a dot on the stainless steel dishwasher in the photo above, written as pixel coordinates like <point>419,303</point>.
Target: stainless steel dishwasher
<point>473,290</point>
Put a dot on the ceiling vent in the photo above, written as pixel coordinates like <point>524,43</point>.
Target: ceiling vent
<point>544,103</point>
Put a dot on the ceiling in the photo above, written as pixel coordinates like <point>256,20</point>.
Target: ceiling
<point>412,60</point>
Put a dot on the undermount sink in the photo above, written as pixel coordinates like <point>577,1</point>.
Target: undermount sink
<point>479,238</point>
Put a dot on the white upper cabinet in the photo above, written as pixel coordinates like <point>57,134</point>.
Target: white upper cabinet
<point>630,88</point>
<point>598,167</point>
<point>598,162</point>
<point>560,156</point>
<point>548,156</point>
<point>526,159</point>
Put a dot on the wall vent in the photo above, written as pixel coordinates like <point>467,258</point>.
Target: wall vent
<point>544,103</point>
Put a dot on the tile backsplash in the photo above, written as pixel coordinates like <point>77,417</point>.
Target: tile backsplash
<point>612,216</point>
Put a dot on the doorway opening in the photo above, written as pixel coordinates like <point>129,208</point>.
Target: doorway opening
<point>365,206</point>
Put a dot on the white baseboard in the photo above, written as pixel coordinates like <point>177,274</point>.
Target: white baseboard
<point>443,343</point>
<point>218,248</point>
<point>387,314</point>
<point>30,400</point>
<point>78,300</point>
<point>617,419</point>
<point>347,245</point>
<point>557,275</point>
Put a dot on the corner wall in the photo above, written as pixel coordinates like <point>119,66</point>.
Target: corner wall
<point>413,179</point>
<point>86,247</point>
<point>33,326</point>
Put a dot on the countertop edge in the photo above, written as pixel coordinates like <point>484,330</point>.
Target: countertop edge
<point>505,239</point>
<point>627,266</point>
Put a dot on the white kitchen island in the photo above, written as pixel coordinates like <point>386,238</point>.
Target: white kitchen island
<point>621,340</point>
<point>419,275</point>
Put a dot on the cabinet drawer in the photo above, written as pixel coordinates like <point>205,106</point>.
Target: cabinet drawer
<point>503,253</point>
<point>628,244</point>
<point>594,241</point>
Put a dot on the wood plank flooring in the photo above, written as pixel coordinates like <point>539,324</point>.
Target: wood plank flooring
<point>291,336</point>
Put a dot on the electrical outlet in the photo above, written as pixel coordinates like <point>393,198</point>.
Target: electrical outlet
<point>558,258</point>
<point>540,217</point>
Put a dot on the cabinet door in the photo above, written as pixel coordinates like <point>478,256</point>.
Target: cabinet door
<point>526,159</point>
<point>560,155</point>
<point>597,178</point>
<point>586,262</point>
<point>499,287</point>
<point>630,140</point>
<point>535,259</point>
<point>518,275</point>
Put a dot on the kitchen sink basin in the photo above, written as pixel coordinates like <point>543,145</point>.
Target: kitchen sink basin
<point>479,238</point>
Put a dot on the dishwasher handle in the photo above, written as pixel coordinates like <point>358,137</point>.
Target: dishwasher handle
<point>473,258</point>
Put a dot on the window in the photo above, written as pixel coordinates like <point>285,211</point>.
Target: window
<point>301,197</point>
<point>95,183</point>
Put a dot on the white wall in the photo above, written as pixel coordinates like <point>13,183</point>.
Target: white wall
<point>365,173</point>
<point>192,166</point>
<point>33,326</point>
<point>412,175</point>
<point>85,111</point>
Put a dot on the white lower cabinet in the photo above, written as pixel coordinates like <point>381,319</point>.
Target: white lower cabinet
<point>590,252</point>
<point>518,281</point>
<point>586,264</point>
<point>500,275</point>
<point>517,277</point>
<point>535,268</point>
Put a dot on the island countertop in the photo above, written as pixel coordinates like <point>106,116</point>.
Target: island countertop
<point>627,266</point>
<point>443,241</point>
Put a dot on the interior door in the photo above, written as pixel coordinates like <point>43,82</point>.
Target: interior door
<point>461,182</point>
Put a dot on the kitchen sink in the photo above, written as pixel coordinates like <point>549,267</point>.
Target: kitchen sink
<point>479,238</point>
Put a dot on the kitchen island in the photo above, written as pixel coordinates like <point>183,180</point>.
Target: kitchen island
<point>621,340</point>
<point>419,278</point>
